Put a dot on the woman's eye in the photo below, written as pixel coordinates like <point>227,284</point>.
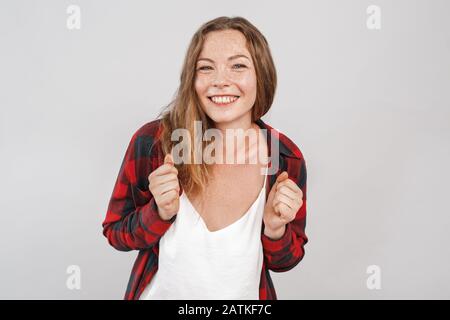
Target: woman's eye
<point>205,68</point>
<point>239,66</point>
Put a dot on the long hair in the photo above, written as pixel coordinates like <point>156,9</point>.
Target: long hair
<point>185,108</point>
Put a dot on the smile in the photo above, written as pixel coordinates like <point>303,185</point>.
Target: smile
<point>223,100</point>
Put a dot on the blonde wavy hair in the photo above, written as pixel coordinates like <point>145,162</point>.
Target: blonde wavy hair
<point>185,108</point>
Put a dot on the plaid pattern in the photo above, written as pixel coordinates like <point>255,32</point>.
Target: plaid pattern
<point>132,221</point>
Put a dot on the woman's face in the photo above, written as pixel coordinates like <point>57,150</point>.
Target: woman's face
<point>226,79</point>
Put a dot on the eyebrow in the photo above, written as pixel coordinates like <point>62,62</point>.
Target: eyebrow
<point>230,58</point>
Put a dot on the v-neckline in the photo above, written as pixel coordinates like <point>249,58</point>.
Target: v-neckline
<point>249,210</point>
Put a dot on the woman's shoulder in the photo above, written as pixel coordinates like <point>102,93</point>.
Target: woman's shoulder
<point>287,146</point>
<point>293,156</point>
<point>291,146</point>
<point>144,142</point>
<point>150,129</point>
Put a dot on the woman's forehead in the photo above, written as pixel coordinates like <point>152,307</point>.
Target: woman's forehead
<point>225,43</point>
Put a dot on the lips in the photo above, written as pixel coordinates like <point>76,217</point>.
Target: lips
<point>223,100</point>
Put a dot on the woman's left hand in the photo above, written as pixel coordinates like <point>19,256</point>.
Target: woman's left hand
<point>283,203</point>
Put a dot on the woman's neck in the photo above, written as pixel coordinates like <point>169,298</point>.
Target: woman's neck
<point>241,146</point>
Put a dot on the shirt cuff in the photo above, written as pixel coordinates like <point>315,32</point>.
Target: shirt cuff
<point>274,246</point>
<point>151,220</point>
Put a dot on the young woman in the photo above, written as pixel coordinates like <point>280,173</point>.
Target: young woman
<point>212,230</point>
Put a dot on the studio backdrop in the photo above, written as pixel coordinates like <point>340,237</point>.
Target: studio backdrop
<point>363,90</point>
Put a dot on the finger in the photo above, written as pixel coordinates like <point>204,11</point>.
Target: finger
<point>165,178</point>
<point>289,193</point>
<point>284,199</point>
<point>156,185</point>
<point>282,176</point>
<point>286,213</point>
<point>279,207</point>
<point>168,159</point>
<point>276,209</point>
<point>168,197</point>
<point>291,185</point>
<point>164,169</point>
<point>166,187</point>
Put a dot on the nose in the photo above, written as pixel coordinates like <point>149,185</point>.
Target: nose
<point>221,79</point>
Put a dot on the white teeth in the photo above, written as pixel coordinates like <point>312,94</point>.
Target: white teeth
<point>223,99</point>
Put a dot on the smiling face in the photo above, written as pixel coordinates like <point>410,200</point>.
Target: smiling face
<point>226,79</point>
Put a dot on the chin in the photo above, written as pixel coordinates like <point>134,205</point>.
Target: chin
<point>226,119</point>
<point>222,118</point>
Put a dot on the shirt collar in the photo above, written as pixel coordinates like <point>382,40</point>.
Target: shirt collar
<point>286,146</point>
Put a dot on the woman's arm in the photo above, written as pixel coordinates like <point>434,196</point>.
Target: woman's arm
<point>128,225</point>
<point>286,252</point>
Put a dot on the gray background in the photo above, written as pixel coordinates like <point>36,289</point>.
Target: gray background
<point>368,108</point>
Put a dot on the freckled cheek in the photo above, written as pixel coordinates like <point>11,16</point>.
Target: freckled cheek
<point>201,87</point>
<point>248,86</point>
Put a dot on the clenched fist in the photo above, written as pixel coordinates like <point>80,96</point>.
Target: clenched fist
<point>283,203</point>
<point>165,187</point>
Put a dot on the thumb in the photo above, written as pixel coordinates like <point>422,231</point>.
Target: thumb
<point>281,177</point>
<point>168,159</point>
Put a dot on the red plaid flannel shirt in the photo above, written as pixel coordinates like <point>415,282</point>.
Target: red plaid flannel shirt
<point>133,223</point>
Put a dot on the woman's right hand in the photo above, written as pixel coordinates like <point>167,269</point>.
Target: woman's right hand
<point>165,187</point>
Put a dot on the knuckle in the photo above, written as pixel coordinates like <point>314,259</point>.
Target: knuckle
<point>173,176</point>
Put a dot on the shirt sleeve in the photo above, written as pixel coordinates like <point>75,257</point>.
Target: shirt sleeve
<point>128,226</point>
<point>285,253</point>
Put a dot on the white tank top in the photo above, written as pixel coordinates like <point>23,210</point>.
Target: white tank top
<point>195,263</point>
